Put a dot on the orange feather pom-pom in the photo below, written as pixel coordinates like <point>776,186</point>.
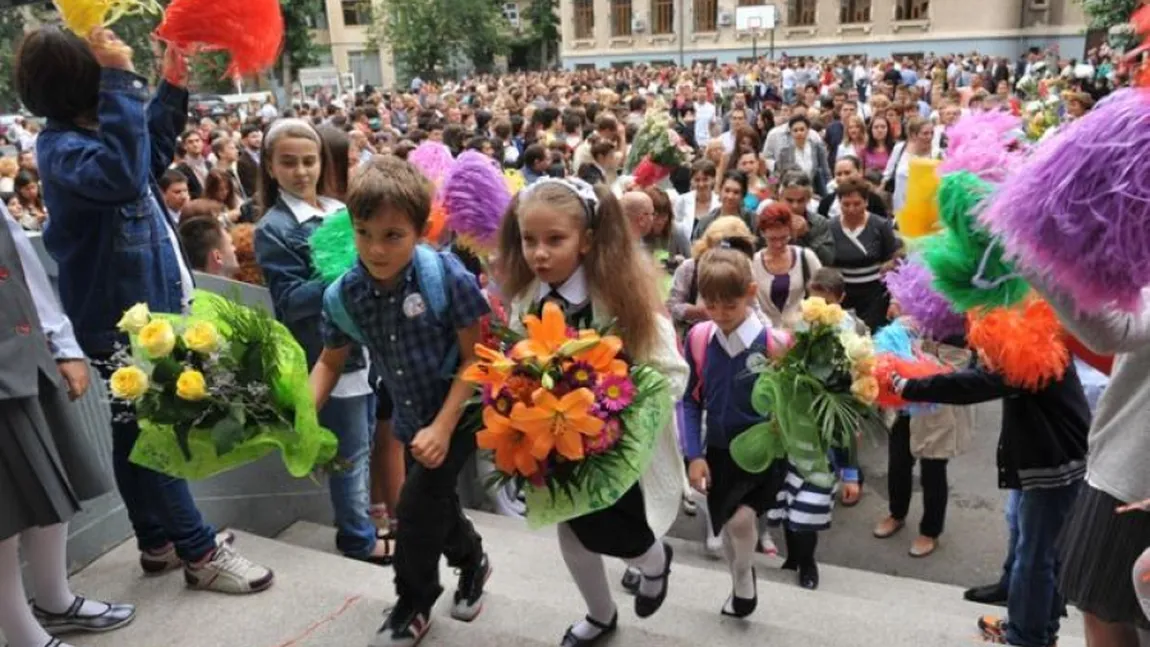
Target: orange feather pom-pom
<point>1024,343</point>
<point>436,223</point>
<point>888,365</point>
<point>251,31</point>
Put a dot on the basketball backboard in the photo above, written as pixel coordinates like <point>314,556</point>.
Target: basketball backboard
<point>756,18</point>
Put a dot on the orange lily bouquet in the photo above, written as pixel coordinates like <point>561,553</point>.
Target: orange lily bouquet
<point>567,416</point>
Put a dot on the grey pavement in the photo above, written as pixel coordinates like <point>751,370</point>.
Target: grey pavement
<point>973,545</point>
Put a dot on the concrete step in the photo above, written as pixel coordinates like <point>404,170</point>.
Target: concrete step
<point>323,600</point>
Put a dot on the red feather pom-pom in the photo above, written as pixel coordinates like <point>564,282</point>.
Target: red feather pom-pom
<point>888,365</point>
<point>252,31</point>
<point>1102,363</point>
<point>1023,343</point>
<point>648,173</point>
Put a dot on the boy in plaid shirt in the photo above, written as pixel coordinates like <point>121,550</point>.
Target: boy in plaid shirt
<point>420,327</point>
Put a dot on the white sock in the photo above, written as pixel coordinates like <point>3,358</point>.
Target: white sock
<point>46,550</point>
<point>712,542</point>
<point>16,619</point>
<point>651,564</point>
<point>739,537</point>
<point>590,577</point>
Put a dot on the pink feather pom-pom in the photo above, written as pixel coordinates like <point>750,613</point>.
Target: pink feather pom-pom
<point>1077,212</point>
<point>476,196</point>
<point>985,143</point>
<point>432,159</point>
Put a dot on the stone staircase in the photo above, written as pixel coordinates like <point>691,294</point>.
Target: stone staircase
<point>323,600</point>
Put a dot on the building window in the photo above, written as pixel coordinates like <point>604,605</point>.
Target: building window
<point>706,16</point>
<point>620,18</point>
<point>912,10</point>
<point>511,13</point>
<point>356,12</point>
<point>584,19</point>
<point>752,3</point>
<point>801,13</point>
<point>853,11</point>
<point>662,16</point>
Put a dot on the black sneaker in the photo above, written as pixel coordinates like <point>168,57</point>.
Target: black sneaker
<point>404,627</point>
<point>469,595</point>
<point>989,594</point>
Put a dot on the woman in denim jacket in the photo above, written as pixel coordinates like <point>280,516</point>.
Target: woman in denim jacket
<point>291,178</point>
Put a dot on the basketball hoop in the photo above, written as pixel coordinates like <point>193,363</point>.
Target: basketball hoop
<point>754,23</point>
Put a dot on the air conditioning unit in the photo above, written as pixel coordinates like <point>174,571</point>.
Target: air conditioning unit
<point>638,25</point>
<point>726,19</point>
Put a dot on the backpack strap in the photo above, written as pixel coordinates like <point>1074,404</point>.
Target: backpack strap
<point>334,306</point>
<point>432,278</point>
<point>697,339</point>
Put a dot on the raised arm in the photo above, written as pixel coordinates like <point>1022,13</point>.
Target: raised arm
<point>1108,333</point>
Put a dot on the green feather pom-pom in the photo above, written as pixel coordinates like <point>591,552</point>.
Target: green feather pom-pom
<point>333,246</point>
<point>968,264</point>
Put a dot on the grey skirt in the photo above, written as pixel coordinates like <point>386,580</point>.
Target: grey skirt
<point>47,464</point>
<point>1099,548</point>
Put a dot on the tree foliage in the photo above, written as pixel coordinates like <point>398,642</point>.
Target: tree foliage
<point>1105,14</point>
<point>543,18</point>
<point>11,31</point>
<point>429,37</point>
<point>299,19</point>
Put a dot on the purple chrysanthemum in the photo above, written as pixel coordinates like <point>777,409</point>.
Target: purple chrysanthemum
<point>606,440</point>
<point>580,375</point>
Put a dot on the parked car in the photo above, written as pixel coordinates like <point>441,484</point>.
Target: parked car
<point>207,105</point>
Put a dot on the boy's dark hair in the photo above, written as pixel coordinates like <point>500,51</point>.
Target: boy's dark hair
<point>170,177</point>
<point>502,129</point>
<point>724,274</point>
<point>853,187</point>
<point>56,75</point>
<point>387,182</point>
<point>249,129</point>
<point>403,149</point>
<point>200,235</point>
<point>704,166</point>
<point>828,280</point>
<point>533,154</point>
<point>601,148</point>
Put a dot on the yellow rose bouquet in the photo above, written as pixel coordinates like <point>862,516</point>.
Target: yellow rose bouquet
<point>217,389</point>
<point>815,396</point>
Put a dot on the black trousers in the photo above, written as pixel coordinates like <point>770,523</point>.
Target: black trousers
<point>431,521</point>
<point>935,489</point>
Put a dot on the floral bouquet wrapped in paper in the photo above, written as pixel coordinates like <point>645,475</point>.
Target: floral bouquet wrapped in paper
<point>656,151</point>
<point>815,396</point>
<point>567,418</point>
<point>217,389</point>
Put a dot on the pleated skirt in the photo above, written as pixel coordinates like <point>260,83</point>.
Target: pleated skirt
<point>48,465</point>
<point>732,487</point>
<point>1099,549</point>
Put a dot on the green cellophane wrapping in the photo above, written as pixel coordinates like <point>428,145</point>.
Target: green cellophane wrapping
<point>609,476</point>
<point>303,446</point>
<point>333,246</point>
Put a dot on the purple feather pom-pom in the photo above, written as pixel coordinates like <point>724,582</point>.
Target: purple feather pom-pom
<point>985,144</point>
<point>476,197</point>
<point>910,285</point>
<point>1078,211</point>
<point>433,160</point>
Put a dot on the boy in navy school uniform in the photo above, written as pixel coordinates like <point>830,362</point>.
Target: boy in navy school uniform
<point>389,301</point>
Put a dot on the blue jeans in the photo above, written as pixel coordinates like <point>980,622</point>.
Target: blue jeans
<point>1034,609</point>
<point>159,506</point>
<point>1012,500</point>
<point>348,419</point>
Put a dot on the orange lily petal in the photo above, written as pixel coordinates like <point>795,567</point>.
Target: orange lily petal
<point>544,335</point>
<point>569,446</point>
<point>602,356</point>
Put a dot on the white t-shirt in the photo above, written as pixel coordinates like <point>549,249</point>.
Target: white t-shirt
<point>704,117</point>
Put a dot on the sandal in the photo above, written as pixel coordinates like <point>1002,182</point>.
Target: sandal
<point>388,540</point>
<point>646,606</point>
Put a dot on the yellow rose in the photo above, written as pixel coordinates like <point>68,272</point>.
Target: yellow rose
<point>833,315</point>
<point>157,338</point>
<point>191,386</point>
<point>865,389</point>
<point>202,337</point>
<point>814,309</point>
<point>864,367</point>
<point>135,318</point>
<point>129,383</point>
<point>857,347</point>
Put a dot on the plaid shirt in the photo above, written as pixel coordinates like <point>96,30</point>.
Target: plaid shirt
<point>408,344</point>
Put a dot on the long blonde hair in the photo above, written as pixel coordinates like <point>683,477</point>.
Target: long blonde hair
<point>724,228</point>
<point>619,275</point>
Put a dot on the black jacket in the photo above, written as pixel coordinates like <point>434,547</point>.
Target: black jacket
<point>1043,439</point>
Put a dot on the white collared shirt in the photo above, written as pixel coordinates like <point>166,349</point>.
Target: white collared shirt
<point>574,289</point>
<point>743,337</point>
<point>350,385</point>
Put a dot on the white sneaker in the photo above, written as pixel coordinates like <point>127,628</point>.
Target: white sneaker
<point>229,572</point>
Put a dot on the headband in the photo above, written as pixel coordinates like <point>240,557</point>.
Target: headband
<point>584,191</point>
<point>284,123</point>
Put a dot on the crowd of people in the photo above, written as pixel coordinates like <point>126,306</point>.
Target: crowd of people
<point>792,173</point>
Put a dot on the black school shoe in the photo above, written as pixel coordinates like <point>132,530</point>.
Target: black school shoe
<point>993,594</point>
<point>738,607</point>
<point>809,576</point>
<point>646,607</point>
<point>605,630</point>
<point>112,618</point>
<point>631,579</point>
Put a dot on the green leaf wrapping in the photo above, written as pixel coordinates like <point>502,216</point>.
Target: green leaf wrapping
<point>333,246</point>
<point>303,445</point>
<point>605,479</point>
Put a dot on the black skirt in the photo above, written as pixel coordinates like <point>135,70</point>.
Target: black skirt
<point>732,486</point>
<point>619,531</point>
<point>870,301</point>
<point>1099,548</point>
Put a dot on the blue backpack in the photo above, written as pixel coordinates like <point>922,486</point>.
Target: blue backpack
<point>429,275</point>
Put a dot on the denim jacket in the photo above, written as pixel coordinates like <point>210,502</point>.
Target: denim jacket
<point>107,231</point>
<point>284,255</point>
